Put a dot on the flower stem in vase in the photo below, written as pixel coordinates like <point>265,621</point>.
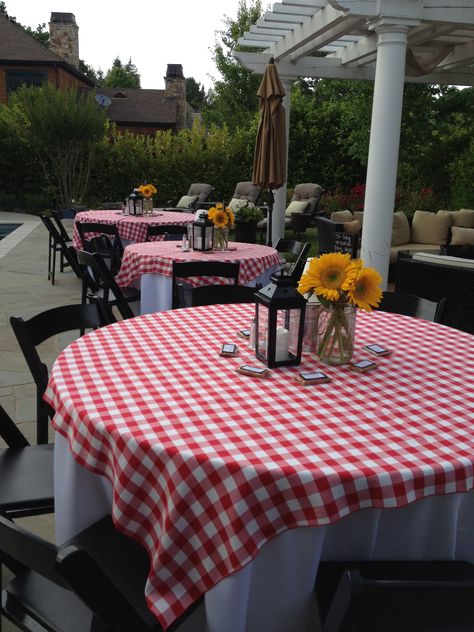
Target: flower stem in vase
<point>336,333</point>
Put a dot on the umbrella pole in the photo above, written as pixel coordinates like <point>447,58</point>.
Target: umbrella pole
<point>271,199</point>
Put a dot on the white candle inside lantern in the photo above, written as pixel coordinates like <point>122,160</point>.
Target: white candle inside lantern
<point>282,344</point>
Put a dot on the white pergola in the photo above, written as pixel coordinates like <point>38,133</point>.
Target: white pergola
<point>387,41</point>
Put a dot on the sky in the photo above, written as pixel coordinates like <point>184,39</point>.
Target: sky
<point>153,33</point>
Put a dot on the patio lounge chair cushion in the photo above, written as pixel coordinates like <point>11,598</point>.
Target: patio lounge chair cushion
<point>187,201</point>
<point>296,207</point>
<point>310,192</point>
<point>464,217</point>
<point>400,229</point>
<point>462,236</point>
<point>202,190</point>
<point>246,191</point>
<point>352,227</point>
<point>430,228</point>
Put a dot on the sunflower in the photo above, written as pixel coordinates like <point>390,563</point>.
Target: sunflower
<point>147,190</point>
<point>230,215</point>
<point>218,216</point>
<point>365,292</point>
<point>328,276</point>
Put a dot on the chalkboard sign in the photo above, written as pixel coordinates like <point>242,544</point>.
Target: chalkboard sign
<point>345,242</point>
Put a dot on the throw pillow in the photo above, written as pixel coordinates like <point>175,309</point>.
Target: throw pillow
<point>342,216</point>
<point>352,227</point>
<point>400,229</point>
<point>236,203</point>
<point>187,201</point>
<point>430,228</point>
<point>461,236</point>
<point>464,218</point>
<point>359,215</point>
<point>296,207</point>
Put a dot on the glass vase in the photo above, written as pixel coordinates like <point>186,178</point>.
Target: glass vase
<point>148,205</point>
<point>336,333</point>
<point>221,236</point>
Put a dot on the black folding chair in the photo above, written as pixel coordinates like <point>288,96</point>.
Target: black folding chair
<point>108,243</point>
<point>411,305</point>
<point>58,244</point>
<point>103,287</point>
<point>170,232</point>
<point>26,473</point>
<point>93,583</point>
<point>32,332</point>
<point>188,269</point>
<point>221,294</point>
<point>396,596</point>
<point>299,251</point>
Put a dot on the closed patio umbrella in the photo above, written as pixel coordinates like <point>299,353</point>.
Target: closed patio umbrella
<point>269,162</point>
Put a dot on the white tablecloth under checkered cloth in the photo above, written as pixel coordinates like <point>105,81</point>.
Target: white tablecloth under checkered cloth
<point>158,257</point>
<point>130,227</point>
<point>208,465</point>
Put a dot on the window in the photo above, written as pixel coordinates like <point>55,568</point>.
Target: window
<point>17,78</point>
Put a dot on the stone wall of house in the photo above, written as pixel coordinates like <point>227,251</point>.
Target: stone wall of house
<point>64,37</point>
<point>175,85</point>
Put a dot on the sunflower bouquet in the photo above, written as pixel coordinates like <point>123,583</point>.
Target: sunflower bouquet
<point>341,284</point>
<point>223,218</point>
<point>147,191</point>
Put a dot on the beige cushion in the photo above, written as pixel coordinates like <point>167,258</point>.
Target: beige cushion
<point>296,207</point>
<point>352,227</point>
<point>186,201</point>
<point>461,236</point>
<point>400,229</point>
<point>359,216</point>
<point>464,218</point>
<point>430,228</point>
<point>236,203</point>
<point>342,216</point>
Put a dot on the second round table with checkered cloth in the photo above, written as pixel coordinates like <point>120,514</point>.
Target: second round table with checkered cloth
<point>238,486</point>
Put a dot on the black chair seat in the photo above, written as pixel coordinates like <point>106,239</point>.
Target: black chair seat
<point>26,480</point>
<point>30,594</point>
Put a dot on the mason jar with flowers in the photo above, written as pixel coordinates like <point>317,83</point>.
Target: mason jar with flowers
<point>223,219</point>
<point>147,191</point>
<point>341,285</point>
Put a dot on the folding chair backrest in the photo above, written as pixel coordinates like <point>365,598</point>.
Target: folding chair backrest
<point>222,294</point>
<point>108,243</point>
<point>58,216</point>
<point>104,277</point>
<point>190,269</point>
<point>65,249</point>
<point>171,232</point>
<point>411,305</point>
<point>33,332</point>
<point>10,432</point>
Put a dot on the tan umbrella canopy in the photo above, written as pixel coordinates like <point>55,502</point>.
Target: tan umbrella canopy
<point>269,162</point>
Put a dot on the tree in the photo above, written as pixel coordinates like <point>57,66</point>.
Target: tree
<point>62,128</point>
<point>120,76</point>
<point>233,101</point>
<point>195,94</point>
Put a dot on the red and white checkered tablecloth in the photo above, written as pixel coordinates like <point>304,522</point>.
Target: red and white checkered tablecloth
<point>208,465</point>
<point>158,257</point>
<point>130,227</point>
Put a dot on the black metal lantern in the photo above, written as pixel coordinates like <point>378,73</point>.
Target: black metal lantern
<point>135,203</point>
<point>279,322</point>
<point>203,233</point>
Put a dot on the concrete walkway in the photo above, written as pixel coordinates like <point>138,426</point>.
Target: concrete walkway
<point>26,291</point>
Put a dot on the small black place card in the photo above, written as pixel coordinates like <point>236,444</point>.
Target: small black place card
<point>253,371</point>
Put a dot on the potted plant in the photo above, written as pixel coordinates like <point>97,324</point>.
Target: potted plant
<point>247,216</point>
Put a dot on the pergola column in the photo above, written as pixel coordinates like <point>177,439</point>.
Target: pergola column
<point>384,145</point>
<point>279,206</point>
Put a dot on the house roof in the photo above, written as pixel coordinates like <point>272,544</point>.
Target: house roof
<point>18,47</point>
<point>440,39</point>
<point>140,106</point>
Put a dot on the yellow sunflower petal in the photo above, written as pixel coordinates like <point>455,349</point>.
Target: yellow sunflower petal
<point>366,292</point>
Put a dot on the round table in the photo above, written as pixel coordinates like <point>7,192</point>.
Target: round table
<point>216,472</point>
<point>132,228</point>
<point>151,264</point>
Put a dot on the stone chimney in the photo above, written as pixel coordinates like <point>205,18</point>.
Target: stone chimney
<point>64,38</point>
<point>175,85</point>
